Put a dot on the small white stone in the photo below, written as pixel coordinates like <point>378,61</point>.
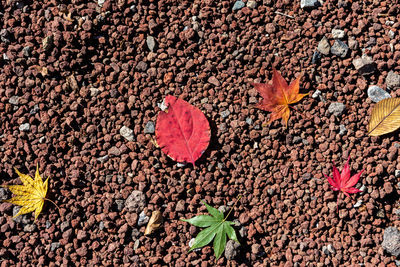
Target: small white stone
<point>358,204</point>
<point>338,34</point>
<point>316,94</point>
<point>94,91</point>
<point>127,133</point>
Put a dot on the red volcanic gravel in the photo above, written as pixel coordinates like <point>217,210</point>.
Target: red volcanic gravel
<point>74,73</point>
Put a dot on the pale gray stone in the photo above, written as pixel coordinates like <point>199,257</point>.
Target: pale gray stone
<point>376,94</point>
<point>324,46</point>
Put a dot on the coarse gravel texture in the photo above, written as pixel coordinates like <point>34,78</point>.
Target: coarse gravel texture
<point>73,74</point>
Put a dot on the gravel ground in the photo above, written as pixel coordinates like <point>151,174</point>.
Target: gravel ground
<point>80,85</point>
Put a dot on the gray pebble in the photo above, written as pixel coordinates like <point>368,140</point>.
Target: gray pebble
<point>364,65</point>
<point>391,241</point>
<point>251,4</point>
<point>338,34</point>
<point>371,42</point>
<point>358,204</point>
<point>34,110</point>
<point>14,100</point>
<point>342,129</point>
<point>238,5</point>
<point>48,224</point>
<point>316,58</point>
<point>225,113</point>
<point>204,100</point>
<point>307,176</point>
<point>353,43</point>
<point>249,121</point>
<point>151,43</point>
<point>392,80</point>
<point>309,3</point>
<point>4,194</point>
<point>141,66</point>
<point>331,249</point>
<point>325,250</point>
<point>127,133</point>
<point>243,232</point>
<point>100,2</point>
<point>54,246</point>
<point>103,159</point>
<point>101,226</point>
<point>270,191</point>
<point>25,127</point>
<point>26,51</point>
<point>223,209</point>
<point>136,201</point>
<point>137,244</point>
<point>389,23</point>
<point>149,128</point>
<point>64,226</point>
<point>48,42</point>
<point>316,94</point>
<point>4,36</point>
<point>377,94</point>
<point>120,179</point>
<point>336,108</point>
<point>135,234</point>
<point>380,213</point>
<point>339,48</point>
<point>29,228</point>
<point>324,46</point>
<point>94,91</point>
<point>120,204</point>
<point>231,249</point>
<point>397,173</point>
<point>362,188</point>
<point>391,34</point>
<point>296,139</point>
<point>143,219</point>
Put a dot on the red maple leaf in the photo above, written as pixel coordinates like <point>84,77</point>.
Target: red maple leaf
<point>278,96</point>
<point>342,182</point>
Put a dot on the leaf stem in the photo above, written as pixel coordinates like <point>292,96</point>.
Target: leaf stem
<point>54,204</point>
<point>226,217</point>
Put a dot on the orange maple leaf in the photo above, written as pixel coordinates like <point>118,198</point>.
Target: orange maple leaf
<point>278,96</point>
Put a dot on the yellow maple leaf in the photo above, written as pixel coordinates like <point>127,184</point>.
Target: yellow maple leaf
<point>31,195</point>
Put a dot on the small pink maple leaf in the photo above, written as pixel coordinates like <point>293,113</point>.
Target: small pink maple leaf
<point>342,182</point>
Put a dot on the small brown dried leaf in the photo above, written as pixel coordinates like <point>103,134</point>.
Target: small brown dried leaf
<point>154,222</point>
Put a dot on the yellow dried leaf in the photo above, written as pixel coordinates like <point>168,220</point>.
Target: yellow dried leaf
<point>31,195</point>
<point>154,222</point>
<point>385,117</point>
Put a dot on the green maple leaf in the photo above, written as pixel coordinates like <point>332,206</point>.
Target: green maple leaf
<point>217,228</point>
